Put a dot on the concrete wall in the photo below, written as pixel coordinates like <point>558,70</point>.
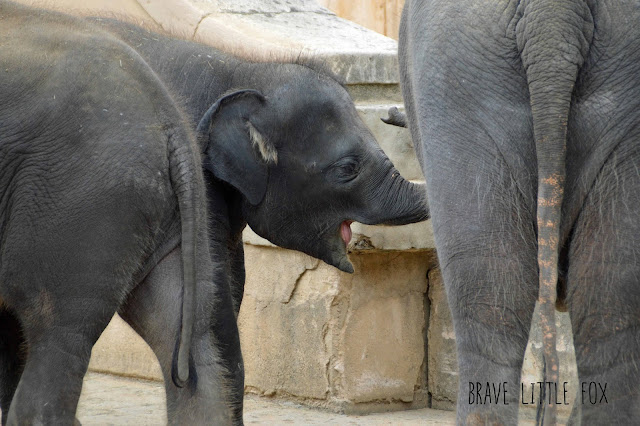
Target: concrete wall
<point>311,332</point>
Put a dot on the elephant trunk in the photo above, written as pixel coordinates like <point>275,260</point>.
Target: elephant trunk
<point>396,201</point>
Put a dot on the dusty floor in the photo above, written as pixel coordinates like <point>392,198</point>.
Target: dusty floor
<point>111,400</point>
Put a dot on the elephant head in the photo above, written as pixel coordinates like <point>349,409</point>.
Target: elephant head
<point>306,165</point>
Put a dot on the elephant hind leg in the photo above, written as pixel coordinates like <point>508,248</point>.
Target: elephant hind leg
<point>51,382</point>
<point>492,302</point>
<point>59,341</point>
<point>603,293</point>
<point>12,358</point>
<point>60,330</point>
<point>214,394</point>
<point>489,267</point>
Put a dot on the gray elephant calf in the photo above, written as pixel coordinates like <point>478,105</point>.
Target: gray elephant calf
<point>285,152</point>
<point>100,181</point>
<point>527,115</point>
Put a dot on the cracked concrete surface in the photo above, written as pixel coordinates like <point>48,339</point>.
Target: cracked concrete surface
<point>355,342</point>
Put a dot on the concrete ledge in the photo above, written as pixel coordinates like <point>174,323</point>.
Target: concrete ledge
<point>417,236</point>
<point>355,53</point>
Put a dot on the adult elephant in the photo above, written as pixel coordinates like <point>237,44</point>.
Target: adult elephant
<point>525,116</point>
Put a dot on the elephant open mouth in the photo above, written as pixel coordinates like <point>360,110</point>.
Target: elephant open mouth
<point>345,231</point>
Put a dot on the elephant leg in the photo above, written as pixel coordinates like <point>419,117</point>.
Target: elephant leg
<point>485,235</point>
<point>12,359</point>
<point>491,285</point>
<point>215,391</point>
<point>479,166</point>
<point>60,338</point>
<point>603,293</point>
<point>237,274</point>
<point>50,385</point>
<point>473,123</point>
<point>63,290</point>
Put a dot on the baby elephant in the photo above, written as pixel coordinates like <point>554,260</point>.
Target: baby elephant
<point>284,151</point>
<point>100,180</point>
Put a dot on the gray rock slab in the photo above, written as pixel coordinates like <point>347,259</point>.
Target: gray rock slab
<point>357,54</point>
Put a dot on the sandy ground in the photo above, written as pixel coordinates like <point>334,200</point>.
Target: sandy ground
<point>111,400</point>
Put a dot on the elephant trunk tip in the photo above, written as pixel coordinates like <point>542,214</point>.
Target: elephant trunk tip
<point>409,206</point>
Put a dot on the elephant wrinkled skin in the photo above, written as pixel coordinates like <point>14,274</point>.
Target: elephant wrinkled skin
<point>526,116</point>
<point>101,187</point>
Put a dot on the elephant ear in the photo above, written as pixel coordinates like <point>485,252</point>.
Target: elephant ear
<point>235,150</point>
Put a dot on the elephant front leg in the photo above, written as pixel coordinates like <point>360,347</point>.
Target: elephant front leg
<point>237,274</point>
<point>215,391</point>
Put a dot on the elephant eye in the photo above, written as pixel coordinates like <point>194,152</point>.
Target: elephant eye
<point>345,170</point>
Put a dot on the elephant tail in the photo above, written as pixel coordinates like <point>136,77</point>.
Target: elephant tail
<point>553,38</point>
<point>184,173</point>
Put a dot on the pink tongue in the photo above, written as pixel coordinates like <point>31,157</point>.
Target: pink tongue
<point>345,231</point>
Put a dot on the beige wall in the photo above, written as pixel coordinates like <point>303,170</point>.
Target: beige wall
<point>382,16</point>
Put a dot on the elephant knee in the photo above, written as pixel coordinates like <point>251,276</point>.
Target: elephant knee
<point>505,328</point>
